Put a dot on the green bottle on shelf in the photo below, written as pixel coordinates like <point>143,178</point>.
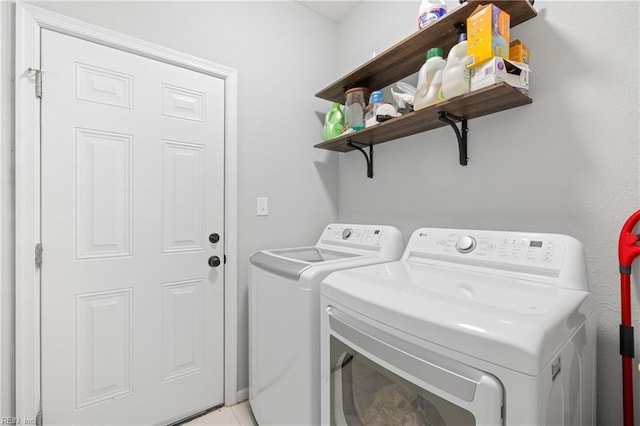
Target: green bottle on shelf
<point>333,123</point>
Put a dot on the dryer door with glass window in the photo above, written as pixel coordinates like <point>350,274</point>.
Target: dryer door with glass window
<point>380,379</point>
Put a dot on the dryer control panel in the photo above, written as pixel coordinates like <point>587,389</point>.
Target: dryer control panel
<point>550,255</point>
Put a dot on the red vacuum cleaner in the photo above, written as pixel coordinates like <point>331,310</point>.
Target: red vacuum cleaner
<point>628,250</point>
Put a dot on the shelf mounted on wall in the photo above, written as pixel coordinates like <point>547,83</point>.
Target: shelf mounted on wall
<point>407,56</point>
<point>488,100</point>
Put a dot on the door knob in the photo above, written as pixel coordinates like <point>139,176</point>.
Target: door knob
<point>214,261</point>
<point>214,238</point>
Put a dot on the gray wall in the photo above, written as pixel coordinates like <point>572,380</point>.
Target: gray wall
<point>283,53</point>
<point>567,163</point>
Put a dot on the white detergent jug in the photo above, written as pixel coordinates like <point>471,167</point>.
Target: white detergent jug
<point>429,79</point>
<point>456,76</point>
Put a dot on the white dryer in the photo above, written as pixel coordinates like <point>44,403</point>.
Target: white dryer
<point>284,317</point>
<point>468,328</point>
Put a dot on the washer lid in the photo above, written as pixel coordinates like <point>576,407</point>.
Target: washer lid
<point>292,262</point>
<point>339,242</point>
<point>514,323</point>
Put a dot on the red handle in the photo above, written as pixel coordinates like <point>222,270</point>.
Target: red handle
<point>628,249</point>
<point>627,358</point>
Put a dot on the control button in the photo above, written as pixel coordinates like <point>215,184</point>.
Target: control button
<point>465,244</point>
<point>347,233</point>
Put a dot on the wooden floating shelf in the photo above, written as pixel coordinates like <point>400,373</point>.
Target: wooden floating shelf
<point>406,57</point>
<point>488,100</point>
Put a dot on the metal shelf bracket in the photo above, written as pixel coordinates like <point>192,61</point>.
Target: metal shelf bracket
<point>461,133</point>
<point>368,157</point>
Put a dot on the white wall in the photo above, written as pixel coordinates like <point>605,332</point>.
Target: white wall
<point>284,53</point>
<point>567,163</point>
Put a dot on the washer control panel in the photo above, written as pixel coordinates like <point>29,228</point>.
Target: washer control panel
<point>354,234</point>
<point>377,240</point>
<point>367,237</point>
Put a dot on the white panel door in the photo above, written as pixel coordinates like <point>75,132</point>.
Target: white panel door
<point>132,186</point>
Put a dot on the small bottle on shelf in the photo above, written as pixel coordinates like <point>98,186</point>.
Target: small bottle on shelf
<point>375,100</point>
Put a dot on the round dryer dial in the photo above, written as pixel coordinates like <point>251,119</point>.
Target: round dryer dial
<point>466,244</point>
<point>347,233</point>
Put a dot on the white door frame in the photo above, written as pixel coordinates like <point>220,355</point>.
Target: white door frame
<point>29,22</point>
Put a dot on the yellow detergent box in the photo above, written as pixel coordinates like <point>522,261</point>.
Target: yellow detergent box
<point>518,52</point>
<point>487,34</point>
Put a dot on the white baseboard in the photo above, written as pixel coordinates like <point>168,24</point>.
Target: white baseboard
<point>243,394</point>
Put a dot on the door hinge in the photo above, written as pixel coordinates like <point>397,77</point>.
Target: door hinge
<point>39,255</point>
<point>39,418</point>
<point>38,77</point>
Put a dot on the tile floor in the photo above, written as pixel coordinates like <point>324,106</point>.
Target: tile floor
<point>234,415</point>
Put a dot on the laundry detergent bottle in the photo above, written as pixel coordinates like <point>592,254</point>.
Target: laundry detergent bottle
<point>456,76</point>
<point>430,11</point>
<point>333,123</point>
<point>430,79</point>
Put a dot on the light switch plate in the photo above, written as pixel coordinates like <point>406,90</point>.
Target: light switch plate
<point>263,206</point>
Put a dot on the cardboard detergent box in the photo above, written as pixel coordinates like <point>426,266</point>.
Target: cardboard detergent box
<point>488,32</point>
<point>496,69</point>
<point>518,52</point>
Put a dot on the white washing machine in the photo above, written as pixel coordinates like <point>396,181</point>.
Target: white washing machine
<point>468,328</point>
<point>284,317</point>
